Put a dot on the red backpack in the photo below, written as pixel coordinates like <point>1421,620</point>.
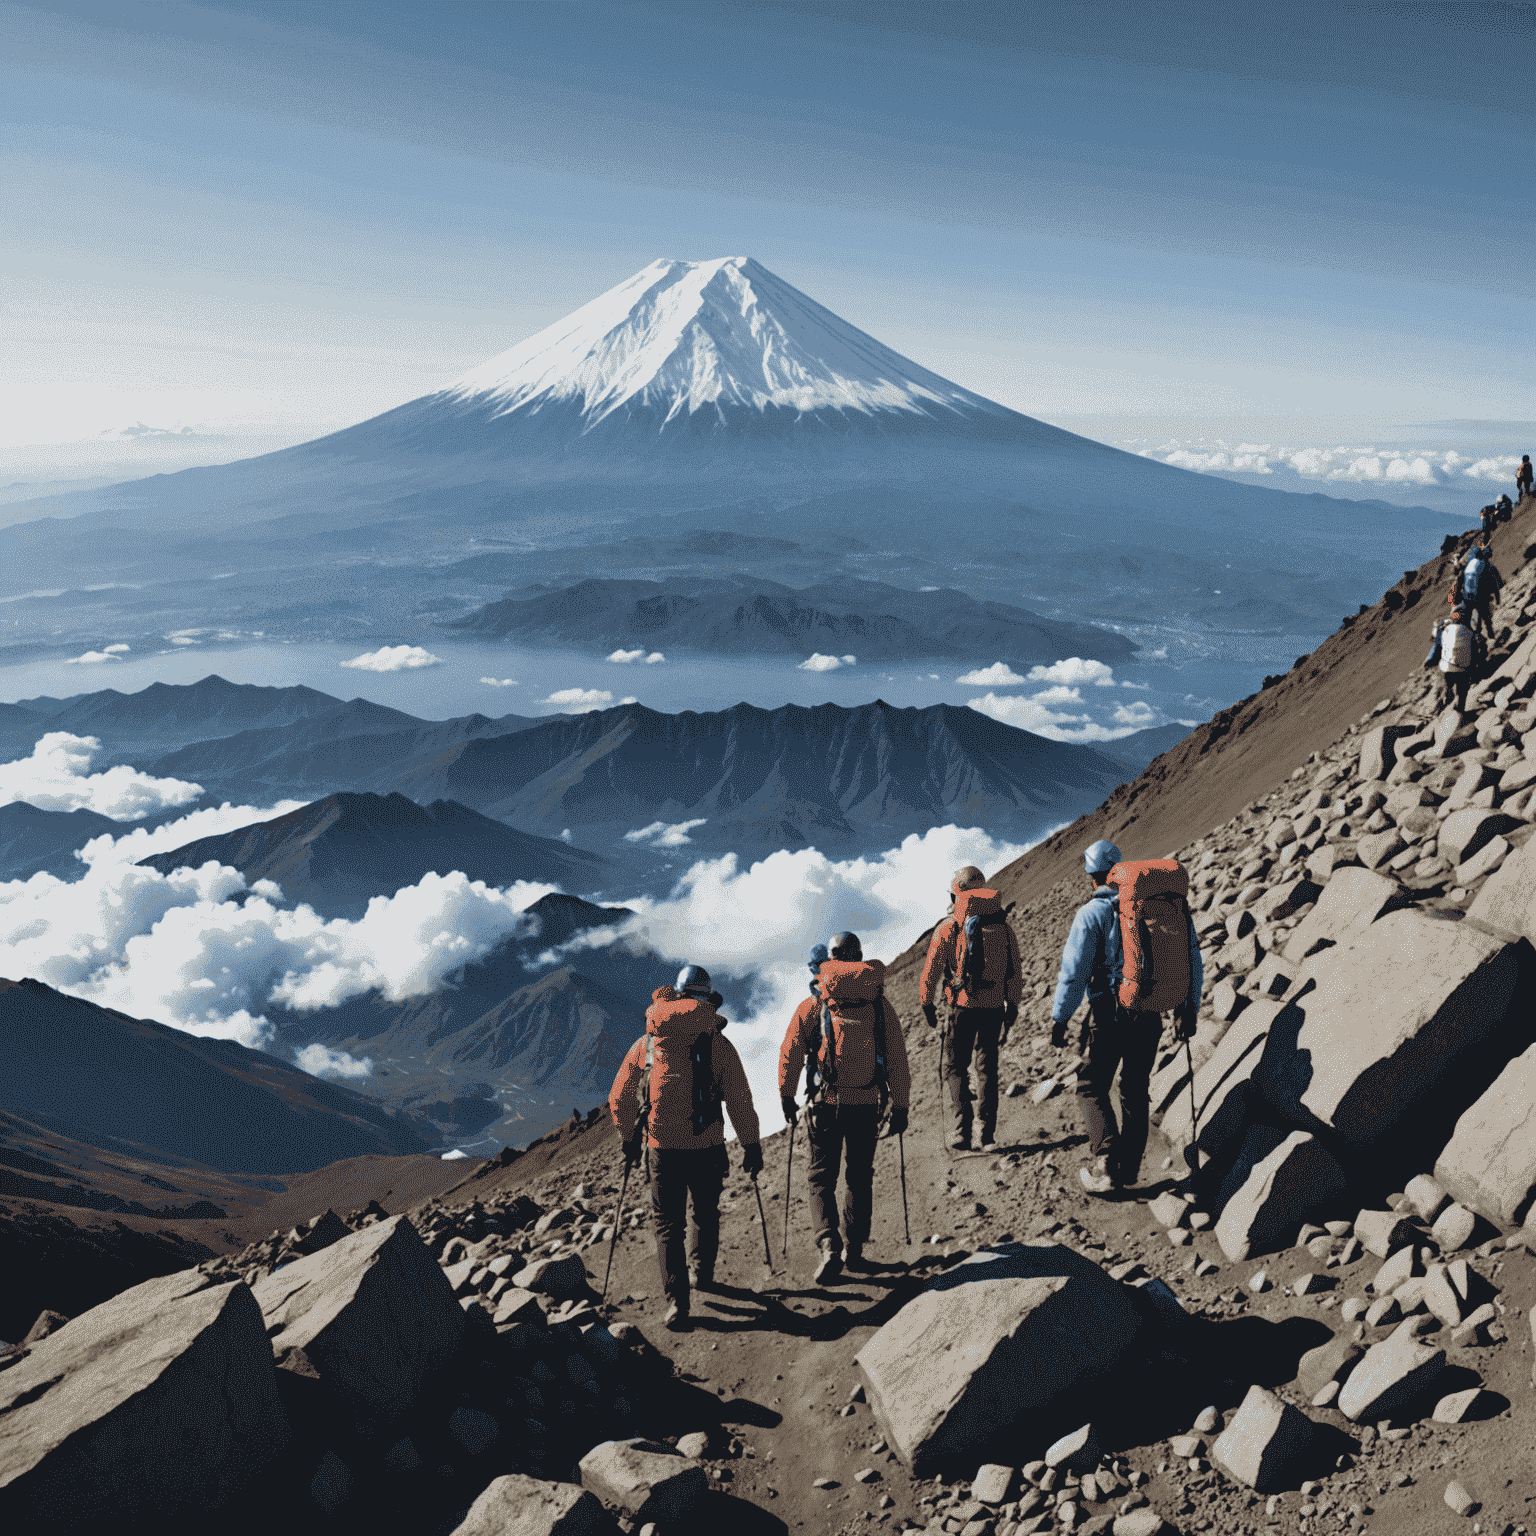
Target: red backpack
<point>982,959</point>
<point>1154,933</point>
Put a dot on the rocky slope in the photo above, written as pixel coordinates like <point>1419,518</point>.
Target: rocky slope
<point>1321,1321</point>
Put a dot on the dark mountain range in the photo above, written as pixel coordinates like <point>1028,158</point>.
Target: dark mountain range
<point>717,394</point>
<point>33,841</point>
<point>747,615</point>
<point>143,1089</point>
<point>509,1043</point>
<point>762,779</point>
<point>339,852</point>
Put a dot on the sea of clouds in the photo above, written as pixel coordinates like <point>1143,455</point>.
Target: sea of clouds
<point>198,950</point>
<point>1059,709</point>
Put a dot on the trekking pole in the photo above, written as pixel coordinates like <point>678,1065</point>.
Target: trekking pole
<point>613,1242</point>
<point>901,1152</point>
<point>762,1217</point>
<point>1192,1151</point>
<point>788,1165</point>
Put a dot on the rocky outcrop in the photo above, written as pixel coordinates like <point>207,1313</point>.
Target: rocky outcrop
<point>1489,1164</point>
<point>647,1479</point>
<point>1001,1336</point>
<point>159,1402</point>
<point>1284,1179</point>
<point>526,1506</point>
<point>371,1315</point>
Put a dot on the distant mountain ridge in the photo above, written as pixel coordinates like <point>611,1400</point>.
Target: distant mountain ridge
<point>746,615</point>
<point>337,853</point>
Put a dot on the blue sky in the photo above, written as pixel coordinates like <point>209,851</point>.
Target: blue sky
<point>275,218</point>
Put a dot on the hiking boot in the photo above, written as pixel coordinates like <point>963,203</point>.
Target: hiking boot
<point>1096,1177</point>
<point>960,1141</point>
<point>699,1281</point>
<point>988,1139</point>
<point>676,1318</point>
<point>829,1266</point>
<point>853,1258</point>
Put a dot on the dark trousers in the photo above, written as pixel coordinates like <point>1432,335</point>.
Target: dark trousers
<point>972,1031</point>
<point>1455,685</point>
<point>677,1173</point>
<point>1125,1041</point>
<point>834,1128</point>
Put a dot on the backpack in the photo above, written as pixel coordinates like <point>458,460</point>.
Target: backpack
<point>1154,933</point>
<point>707,1094</point>
<point>850,1045</point>
<point>1456,648</point>
<point>984,960</point>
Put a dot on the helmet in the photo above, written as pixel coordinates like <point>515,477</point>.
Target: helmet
<point>693,978</point>
<point>845,946</point>
<point>1100,857</point>
<point>966,878</point>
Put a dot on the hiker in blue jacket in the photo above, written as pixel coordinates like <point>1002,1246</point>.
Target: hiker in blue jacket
<point>1481,586</point>
<point>1116,1038</point>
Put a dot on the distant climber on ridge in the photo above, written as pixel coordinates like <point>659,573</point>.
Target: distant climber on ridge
<point>847,1036</point>
<point>668,1096</point>
<point>1523,477</point>
<point>973,958</point>
<point>1125,1002</point>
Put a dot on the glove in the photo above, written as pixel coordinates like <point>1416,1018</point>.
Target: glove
<point>791,1112</point>
<point>1184,1023</point>
<point>1059,1033</point>
<point>752,1160</point>
<point>631,1151</point>
<point>931,1014</point>
<point>898,1119</point>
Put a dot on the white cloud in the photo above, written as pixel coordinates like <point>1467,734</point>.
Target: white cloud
<point>760,922</point>
<point>1362,465</point>
<point>188,640</point>
<point>130,847</point>
<point>321,1061</point>
<point>185,950</point>
<point>455,1155</point>
<point>816,662</point>
<point>499,682</point>
<point>1028,714</point>
<point>1060,694</point>
<point>655,658</point>
<point>113,650</point>
<point>626,656</point>
<point>1137,714</point>
<point>998,675</point>
<point>394,658</point>
<point>660,835</point>
<point>92,658</point>
<point>56,777</point>
<point>578,701</point>
<point>1074,670</point>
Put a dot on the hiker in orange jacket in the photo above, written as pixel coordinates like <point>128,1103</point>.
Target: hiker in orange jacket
<point>982,1006</point>
<point>682,1051</point>
<point>846,1090</point>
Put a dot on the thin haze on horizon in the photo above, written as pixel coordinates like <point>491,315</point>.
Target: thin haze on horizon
<point>273,217</point>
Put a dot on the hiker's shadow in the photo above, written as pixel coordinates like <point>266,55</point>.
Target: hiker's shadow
<point>860,1305</point>
<point>718,1511</point>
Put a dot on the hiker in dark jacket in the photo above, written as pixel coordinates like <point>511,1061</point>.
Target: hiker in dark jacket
<point>1117,1039</point>
<point>1523,477</point>
<point>1481,585</point>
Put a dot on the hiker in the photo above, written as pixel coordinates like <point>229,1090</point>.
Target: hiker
<point>1523,477</point>
<point>1117,1036</point>
<point>668,1096</point>
<point>1503,508</point>
<point>1490,515</point>
<point>1454,648</point>
<point>849,1039</point>
<point>974,958</point>
<point>1481,585</point>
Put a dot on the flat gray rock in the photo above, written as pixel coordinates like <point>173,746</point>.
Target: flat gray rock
<point>1267,1444</point>
<point>1489,1164</point>
<point>372,1314</point>
<point>1285,1183</point>
<point>528,1506</point>
<point>160,1401</point>
<point>646,1478</point>
<point>1390,1377</point>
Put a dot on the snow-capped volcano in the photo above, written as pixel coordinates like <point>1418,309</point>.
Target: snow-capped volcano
<point>681,337</point>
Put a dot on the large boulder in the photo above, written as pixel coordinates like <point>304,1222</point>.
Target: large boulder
<point>158,1403</point>
<point>1390,1012</point>
<point>647,1479</point>
<point>1489,1164</point>
<point>1394,1376</point>
<point>1284,1180</point>
<point>1267,1445</point>
<point>527,1506</point>
<point>1463,833</point>
<point>1352,900</point>
<point>1221,1084</point>
<point>998,1338</point>
<point>1378,749</point>
<point>372,1315</point>
<point>1507,902</point>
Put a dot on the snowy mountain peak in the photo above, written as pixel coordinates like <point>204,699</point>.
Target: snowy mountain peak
<point>684,336</point>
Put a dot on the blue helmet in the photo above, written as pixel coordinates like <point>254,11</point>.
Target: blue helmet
<point>1100,857</point>
<point>693,978</point>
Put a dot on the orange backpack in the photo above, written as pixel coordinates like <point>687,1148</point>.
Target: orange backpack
<point>983,960</point>
<point>1154,933</point>
<point>851,1050</point>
